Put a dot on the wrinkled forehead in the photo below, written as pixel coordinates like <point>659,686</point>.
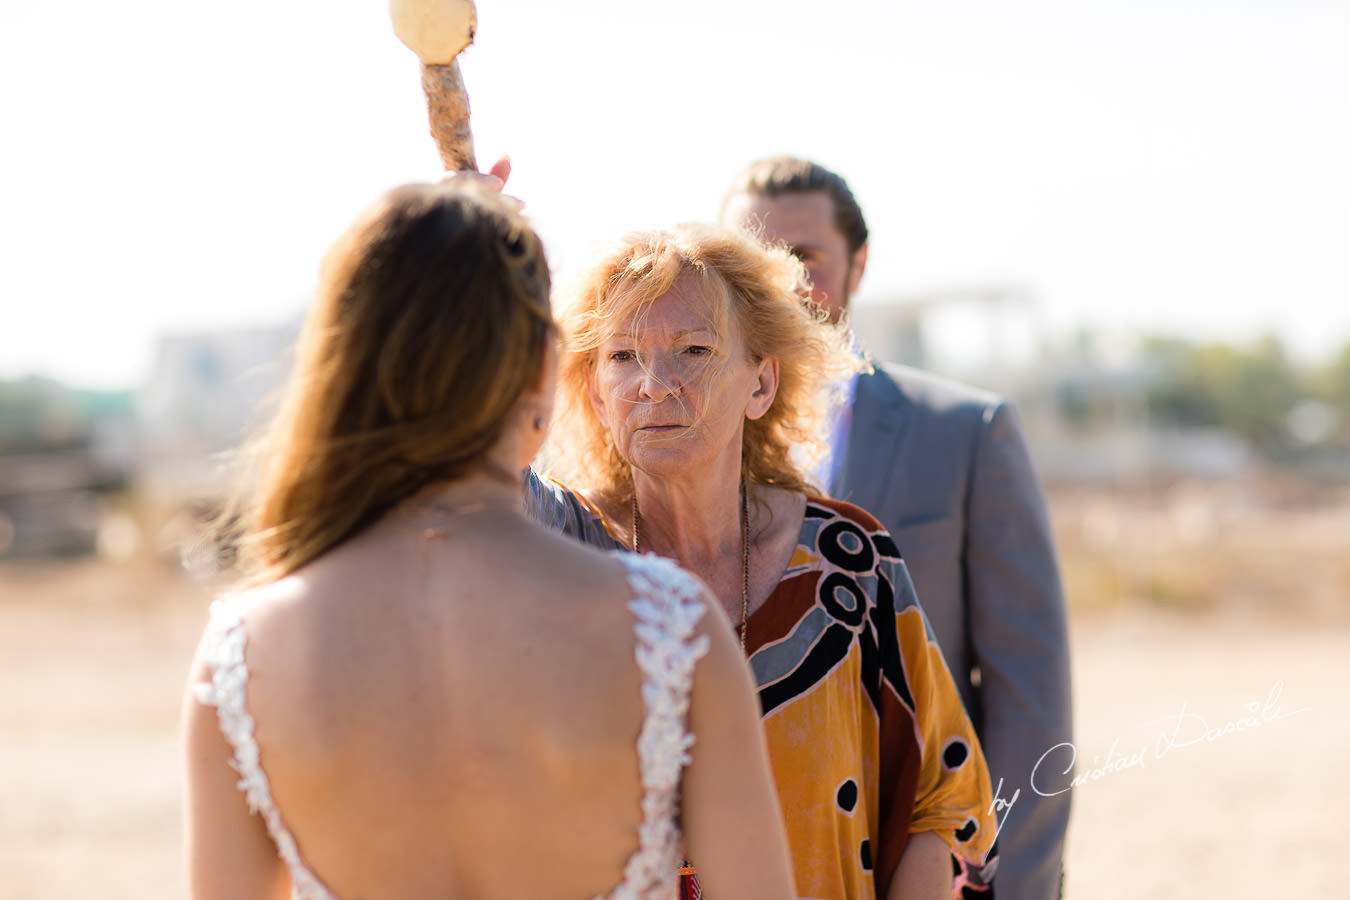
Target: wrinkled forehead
<point>698,298</point>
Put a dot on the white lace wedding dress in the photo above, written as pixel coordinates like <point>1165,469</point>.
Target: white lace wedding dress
<point>666,605</point>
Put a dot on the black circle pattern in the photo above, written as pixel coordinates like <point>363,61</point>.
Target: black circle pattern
<point>842,598</point>
<point>847,795</point>
<point>967,831</point>
<point>865,855</point>
<point>955,754</point>
<point>835,540</point>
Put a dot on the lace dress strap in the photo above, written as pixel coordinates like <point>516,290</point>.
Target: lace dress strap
<point>224,653</point>
<point>667,604</point>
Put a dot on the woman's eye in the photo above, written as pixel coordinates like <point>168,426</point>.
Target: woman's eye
<point>697,350</point>
<point>620,355</point>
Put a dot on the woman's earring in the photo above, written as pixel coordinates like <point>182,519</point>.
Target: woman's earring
<point>539,423</point>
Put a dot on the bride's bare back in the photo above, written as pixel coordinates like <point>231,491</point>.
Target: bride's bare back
<point>457,716</point>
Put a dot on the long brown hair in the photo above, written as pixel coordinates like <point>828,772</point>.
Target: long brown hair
<point>429,324</point>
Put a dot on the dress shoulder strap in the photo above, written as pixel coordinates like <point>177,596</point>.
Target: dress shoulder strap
<point>667,603</point>
<point>223,648</point>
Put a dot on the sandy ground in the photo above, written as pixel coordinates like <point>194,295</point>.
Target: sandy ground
<point>92,659</point>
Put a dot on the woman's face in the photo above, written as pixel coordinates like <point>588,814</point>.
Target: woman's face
<point>674,394</point>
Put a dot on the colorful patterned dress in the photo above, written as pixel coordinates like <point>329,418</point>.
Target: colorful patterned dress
<point>867,736</point>
<point>866,733</point>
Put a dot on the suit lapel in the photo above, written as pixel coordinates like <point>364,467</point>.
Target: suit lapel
<point>879,423</point>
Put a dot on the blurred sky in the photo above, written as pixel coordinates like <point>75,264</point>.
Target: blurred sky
<point>1174,166</point>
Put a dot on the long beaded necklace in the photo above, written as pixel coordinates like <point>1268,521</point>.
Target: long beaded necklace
<point>745,558</point>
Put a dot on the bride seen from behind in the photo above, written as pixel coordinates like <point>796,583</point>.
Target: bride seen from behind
<point>419,692</point>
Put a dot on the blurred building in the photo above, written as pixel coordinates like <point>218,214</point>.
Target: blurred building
<point>62,453</point>
<point>1084,408</point>
<point>208,394</point>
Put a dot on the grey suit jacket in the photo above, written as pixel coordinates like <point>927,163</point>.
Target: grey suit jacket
<point>945,468</point>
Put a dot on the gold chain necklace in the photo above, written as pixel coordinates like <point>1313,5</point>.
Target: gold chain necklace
<point>745,557</point>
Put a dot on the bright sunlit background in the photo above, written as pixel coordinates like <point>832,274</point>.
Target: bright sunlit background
<point>1178,168</point>
<point>171,172</point>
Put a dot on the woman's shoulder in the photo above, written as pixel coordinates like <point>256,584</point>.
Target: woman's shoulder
<point>291,625</point>
<point>247,631</point>
<point>584,515</point>
<point>259,605</point>
<point>227,654</point>
<point>828,524</point>
<point>829,508</point>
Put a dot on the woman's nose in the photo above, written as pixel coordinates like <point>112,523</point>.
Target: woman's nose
<point>659,381</point>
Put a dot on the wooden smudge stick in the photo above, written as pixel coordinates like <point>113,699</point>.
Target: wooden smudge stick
<point>448,111</point>
<point>437,31</point>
